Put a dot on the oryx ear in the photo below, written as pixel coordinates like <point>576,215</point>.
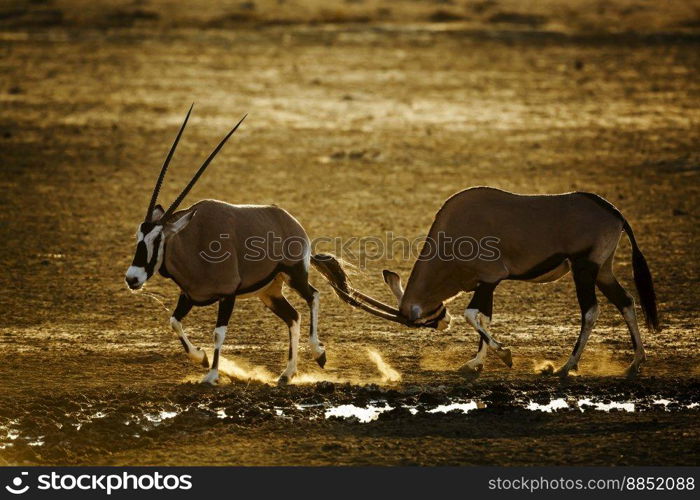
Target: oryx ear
<point>394,281</point>
<point>176,226</point>
<point>157,213</point>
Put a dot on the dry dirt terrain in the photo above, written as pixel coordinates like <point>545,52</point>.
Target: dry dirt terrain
<point>361,121</point>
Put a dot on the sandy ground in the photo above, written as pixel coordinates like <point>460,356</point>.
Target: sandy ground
<point>356,130</point>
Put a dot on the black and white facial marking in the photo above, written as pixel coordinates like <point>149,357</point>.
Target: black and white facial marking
<point>149,254</point>
<point>439,318</point>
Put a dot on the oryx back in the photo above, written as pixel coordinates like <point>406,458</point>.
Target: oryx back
<point>228,250</point>
<point>531,230</point>
<point>529,237</point>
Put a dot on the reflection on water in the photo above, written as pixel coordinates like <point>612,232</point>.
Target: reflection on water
<point>463,407</point>
<point>582,404</point>
<point>371,412</point>
<point>159,417</point>
<point>364,415</point>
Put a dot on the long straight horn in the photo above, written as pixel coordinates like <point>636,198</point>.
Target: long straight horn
<point>206,163</point>
<point>353,299</point>
<point>374,302</point>
<point>333,271</point>
<point>164,168</point>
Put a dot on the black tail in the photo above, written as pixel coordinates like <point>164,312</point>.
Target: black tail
<point>643,282</point>
<point>331,269</point>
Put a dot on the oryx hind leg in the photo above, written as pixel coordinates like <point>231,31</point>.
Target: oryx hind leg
<point>196,354</point>
<point>623,300</point>
<point>299,282</point>
<point>585,274</point>
<point>316,344</point>
<point>224,316</point>
<point>275,301</point>
<point>478,314</point>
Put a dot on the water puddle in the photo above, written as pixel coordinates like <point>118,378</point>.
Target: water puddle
<point>583,404</point>
<point>371,412</point>
<point>101,419</point>
<point>465,407</point>
<point>158,418</point>
<point>364,415</point>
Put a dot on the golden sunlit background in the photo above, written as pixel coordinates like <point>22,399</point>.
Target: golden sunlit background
<point>363,117</point>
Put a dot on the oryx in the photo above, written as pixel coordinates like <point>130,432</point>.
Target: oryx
<point>207,251</point>
<point>536,238</point>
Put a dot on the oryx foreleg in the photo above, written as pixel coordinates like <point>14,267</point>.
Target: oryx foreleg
<point>196,354</point>
<point>482,301</point>
<point>585,273</point>
<point>478,315</point>
<point>225,310</point>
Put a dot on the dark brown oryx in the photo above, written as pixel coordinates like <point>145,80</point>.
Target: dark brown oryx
<point>176,245</point>
<point>538,238</point>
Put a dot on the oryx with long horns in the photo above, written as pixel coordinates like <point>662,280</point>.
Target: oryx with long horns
<point>206,250</point>
<point>536,238</point>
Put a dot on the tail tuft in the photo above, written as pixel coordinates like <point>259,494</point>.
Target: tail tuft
<point>331,269</point>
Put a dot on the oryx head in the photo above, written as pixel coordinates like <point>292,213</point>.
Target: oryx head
<point>409,314</point>
<point>434,316</point>
<point>159,224</point>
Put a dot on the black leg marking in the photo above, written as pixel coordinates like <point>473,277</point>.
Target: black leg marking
<point>321,360</point>
<point>482,337</point>
<point>299,282</point>
<point>184,345</point>
<point>225,311</point>
<point>483,299</point>
<point>618,296</point>
<point>184,306</point>
<point>585,274</point>
<point>215,362</point>
<point>222,319</point>
<point>283,309</point>
<point>314,294</point>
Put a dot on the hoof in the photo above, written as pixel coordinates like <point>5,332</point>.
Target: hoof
<point>470,372</point>
<point>546,370</point>
<point>205,360</point>
<point>321,360</point>
<point>199,357</point>
<point>506,357</point>
<point>283,381</point>
<point>631,372</point>
<point>562,372</point>
<point>211,378</point>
